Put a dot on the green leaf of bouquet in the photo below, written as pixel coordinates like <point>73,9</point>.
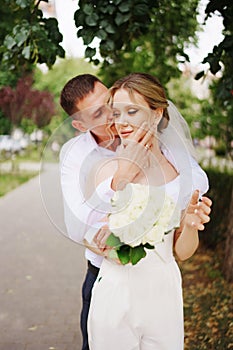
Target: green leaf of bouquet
<point>148,246</point>
<point>113,241</point>
<point>124,254</point>
<point>113,254</point>
<point>136,254</point>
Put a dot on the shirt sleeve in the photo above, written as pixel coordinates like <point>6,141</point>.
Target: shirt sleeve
<point>100,202</point>
<point>72,178</point>
<point>78,211</point>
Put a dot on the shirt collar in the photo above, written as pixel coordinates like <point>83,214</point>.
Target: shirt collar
<point>91,141</point>
<point>93,145</point>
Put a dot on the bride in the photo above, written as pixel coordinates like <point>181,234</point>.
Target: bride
<point>140,307</point>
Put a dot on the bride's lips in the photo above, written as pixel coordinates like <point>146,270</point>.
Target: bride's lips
<point>126,133</point>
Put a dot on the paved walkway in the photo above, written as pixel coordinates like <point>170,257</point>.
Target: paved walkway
<point>41,271</point>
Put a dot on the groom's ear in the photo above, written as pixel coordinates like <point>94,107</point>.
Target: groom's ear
<point>78,124</point>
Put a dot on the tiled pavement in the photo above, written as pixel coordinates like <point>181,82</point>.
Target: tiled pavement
<point>41,271</point>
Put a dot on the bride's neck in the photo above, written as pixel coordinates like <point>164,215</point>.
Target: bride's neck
<point>156,153</point>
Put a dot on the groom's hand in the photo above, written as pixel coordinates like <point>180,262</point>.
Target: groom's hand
<point>101,237</point>
<point>98,244</point>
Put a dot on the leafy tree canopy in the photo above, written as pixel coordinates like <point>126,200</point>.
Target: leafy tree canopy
<point>221,60</point>
<point>54,79</point>
<point>138,35</point>
<point>26,37</point>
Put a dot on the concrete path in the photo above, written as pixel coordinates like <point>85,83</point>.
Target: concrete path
<point>41,271</point>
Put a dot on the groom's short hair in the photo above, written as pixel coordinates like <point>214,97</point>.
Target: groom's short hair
<point>75,90</point>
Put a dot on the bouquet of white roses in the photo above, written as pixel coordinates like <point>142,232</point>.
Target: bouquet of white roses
<point>141,216</point>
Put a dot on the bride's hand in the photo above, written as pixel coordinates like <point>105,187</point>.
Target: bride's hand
<point>197,213</point>
<point>132,156</point>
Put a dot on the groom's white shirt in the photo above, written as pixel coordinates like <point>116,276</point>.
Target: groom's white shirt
<point>77,157</point>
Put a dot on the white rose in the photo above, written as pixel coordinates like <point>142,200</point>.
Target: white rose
<point>155,235</point>
<point>142,214</point>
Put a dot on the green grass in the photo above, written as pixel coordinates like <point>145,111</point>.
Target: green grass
<point>9,181</point>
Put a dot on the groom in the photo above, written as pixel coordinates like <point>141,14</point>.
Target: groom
<point>83,98</point>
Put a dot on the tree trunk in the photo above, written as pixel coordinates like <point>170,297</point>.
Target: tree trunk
<point>228,261</point>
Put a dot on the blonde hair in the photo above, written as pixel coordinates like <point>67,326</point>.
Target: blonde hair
<point>148,87</point>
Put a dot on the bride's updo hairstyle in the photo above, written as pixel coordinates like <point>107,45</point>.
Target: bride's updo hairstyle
<point>148,87</point>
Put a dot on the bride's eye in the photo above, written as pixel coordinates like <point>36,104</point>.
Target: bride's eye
<point>116,113</point>
<point>132,111</point>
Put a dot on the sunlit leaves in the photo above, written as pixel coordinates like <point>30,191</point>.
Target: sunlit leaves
<point>24,3</point>
<point>26,52</point>
<point>88,9</point>
<point>87,35</point>
<point>9,42</point>
<point>120,18</point>
<point>125,6</point>
<point>144,35</point>
<point>92,19</point>
<point>89,52</point>
<point>221,60</point>
<point>111,21</point>
<point>27,37</point>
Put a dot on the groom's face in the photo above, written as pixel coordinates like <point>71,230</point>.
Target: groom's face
<point>94,114</point>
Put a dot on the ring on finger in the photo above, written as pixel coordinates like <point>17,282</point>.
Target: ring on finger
<point>147,147</point>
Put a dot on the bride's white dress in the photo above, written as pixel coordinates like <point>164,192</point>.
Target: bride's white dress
<point>139,307</point>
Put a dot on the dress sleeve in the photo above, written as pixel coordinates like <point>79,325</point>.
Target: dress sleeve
<point>200,179</point>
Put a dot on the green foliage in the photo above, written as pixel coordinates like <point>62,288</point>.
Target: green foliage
<point>27,37</point>
<point>189,105</point>
<point>221,186</point>
<point>125,253</point>
<point>54,79</point>
<point>221,59</point>
<point>9,181</point>
<point>113,241</point>
<point>137,35</point>
<point>5,125</point>
<point>216,121</point>
<point>27,125</point>
<point>225,48</point>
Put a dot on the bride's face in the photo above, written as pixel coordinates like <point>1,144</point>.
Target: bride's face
<point>130,114</point>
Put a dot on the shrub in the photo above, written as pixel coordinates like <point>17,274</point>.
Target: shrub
<point>221,185</point>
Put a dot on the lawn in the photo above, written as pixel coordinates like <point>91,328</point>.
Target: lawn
<point>9,181</point>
